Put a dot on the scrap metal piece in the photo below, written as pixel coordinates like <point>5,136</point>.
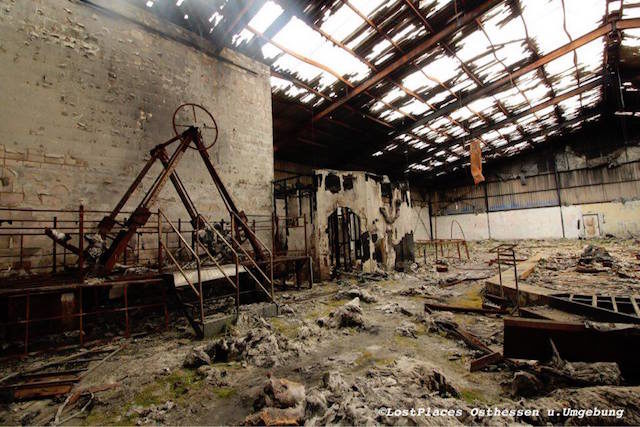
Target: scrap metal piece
<point>603,308</point>
<point>581,342</point>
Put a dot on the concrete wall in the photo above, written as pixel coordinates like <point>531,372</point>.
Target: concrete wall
<point>86,95</point>
<point>620,219</point>
<point>527,199</point>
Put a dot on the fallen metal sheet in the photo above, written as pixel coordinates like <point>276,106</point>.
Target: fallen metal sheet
<point>602,308</point>
<point>583,342</point>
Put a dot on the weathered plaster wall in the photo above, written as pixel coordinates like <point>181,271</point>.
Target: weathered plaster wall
<point>86,95</point>
<point>365,199</point>
<point>526,199</point>
<point>620,219</point>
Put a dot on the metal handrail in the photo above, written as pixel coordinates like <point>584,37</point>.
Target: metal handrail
<point>247,228</point>
<point>270,295</point>
<point>217,264</point>
<point>180,268</point>
<point>270,280</point>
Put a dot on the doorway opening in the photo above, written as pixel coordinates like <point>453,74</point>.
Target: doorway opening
<point>344,238</point>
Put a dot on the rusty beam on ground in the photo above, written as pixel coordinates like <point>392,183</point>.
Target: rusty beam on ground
<point>484,361</point>
<point>531,339</point>
<point>460,309</point>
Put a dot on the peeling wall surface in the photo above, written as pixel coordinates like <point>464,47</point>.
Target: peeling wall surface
<point>526,199</point>
<point>366,201</point>
<point>86,95</point>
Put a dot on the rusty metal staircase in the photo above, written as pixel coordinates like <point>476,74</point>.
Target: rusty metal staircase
<point>203,266</point>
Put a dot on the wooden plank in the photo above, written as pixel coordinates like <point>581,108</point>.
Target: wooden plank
<point>484,361</point>
<point>460,309</point>
<point>42,391</point>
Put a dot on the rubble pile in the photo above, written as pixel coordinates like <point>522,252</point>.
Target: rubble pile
<point>154,414</point>
<point>281,402</point>
<point>354,292</point>
<point>347,316</point>
<point>407,383</point>
<point>595,254</point>
<point>260,346</point>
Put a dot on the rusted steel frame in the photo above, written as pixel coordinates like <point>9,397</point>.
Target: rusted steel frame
<point>65,244</point>
<point>562,97</point>
<point>239,245</point>
<point>409,56</point>
<point>107,223</point>
<point>200,292</point>
<point>141,213</point>
<point>543,132</point>
<point>199,243</point>
<point>255,265</point>
<point>256,244</point>
<point>255,236</point>
<point>175,230</point>
<point>79,315</point>
<point>180,189</point>
<point>490,88</point>
<point>217,264</point>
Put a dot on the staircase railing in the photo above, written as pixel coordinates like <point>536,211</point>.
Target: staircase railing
<point>201,253</point>
<point>248,257</point>
<point>251,261</point>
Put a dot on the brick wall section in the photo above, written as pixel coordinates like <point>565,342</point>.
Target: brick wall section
<point>85,95</point>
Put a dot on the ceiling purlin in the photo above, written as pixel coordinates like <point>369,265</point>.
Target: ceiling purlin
<point>550,102</point>
<point>584,116</point>
<point>422,47</point>
<point>531,66</point>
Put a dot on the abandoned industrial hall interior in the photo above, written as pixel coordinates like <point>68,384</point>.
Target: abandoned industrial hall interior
<point>320,212</point>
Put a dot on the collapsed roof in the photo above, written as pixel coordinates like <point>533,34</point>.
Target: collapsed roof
<point>404,85</point>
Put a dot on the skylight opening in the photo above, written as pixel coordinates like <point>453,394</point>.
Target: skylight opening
<point>265,16</point>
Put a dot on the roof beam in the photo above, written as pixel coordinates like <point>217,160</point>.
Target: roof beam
<point>492,87</point>
<point>543,132</point>
<point>445,32</point>
<point>541,106</point>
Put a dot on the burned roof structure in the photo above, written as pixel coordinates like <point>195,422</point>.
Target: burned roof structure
<point>403,86</point>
